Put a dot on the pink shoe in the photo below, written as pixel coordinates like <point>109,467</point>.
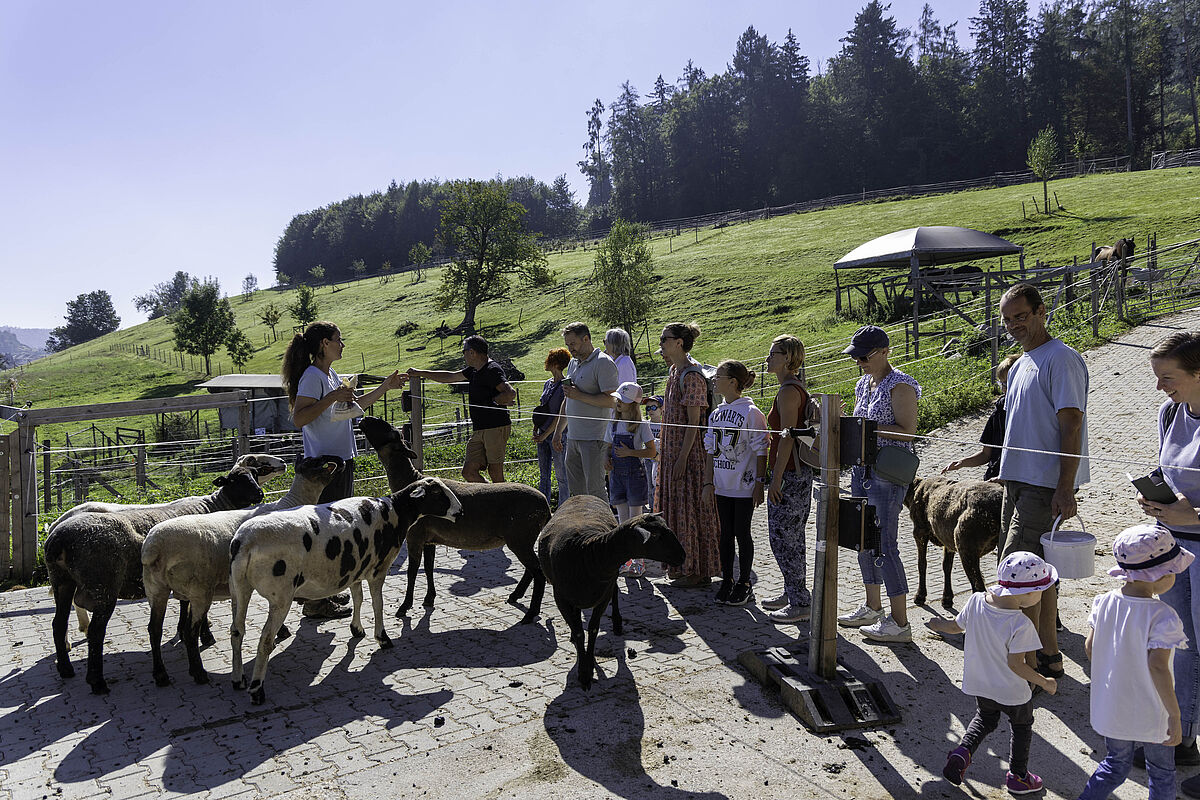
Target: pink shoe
<point>956,764</point>
<point>1028,785</point>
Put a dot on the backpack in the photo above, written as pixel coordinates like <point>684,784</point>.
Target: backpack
<point>709,373</point>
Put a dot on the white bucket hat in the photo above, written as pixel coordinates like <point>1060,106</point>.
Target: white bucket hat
<point>1023,572</point>
<point>629,392</point>
<point>1147,552</point>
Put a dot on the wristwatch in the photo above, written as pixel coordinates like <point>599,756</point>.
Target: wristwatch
<point>763,480</point>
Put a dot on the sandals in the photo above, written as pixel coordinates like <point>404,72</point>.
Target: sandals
<point>1049,666</point>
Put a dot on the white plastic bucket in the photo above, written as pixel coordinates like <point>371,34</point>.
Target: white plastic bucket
<point>1073,553</point>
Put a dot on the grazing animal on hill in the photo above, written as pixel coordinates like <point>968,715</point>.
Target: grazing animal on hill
<point>963,517</point>
<point>94,558</point>
<point>1122,249</point>
<point>316,551</point>
<point>494,515</point>
<point>189,557</point>
<point>581,550</point>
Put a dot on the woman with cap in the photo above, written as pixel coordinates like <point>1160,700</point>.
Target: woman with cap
<point>619,347</point>
<point>1175,362</point>
<point>312,388</point>
<point>680,491</point>
<point>1130,644</point>
<point>889,397</point>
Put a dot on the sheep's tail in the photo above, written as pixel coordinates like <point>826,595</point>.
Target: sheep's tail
<point>151,550</point>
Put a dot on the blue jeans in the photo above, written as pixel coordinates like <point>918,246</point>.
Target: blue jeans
<point>1112,771</point>
<point>547,455</point>
<point>1184,597</point>
<point>888,499</point>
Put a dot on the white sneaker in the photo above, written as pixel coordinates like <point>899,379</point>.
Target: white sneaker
<point>886,630</point>
<point>790,613</point>
<point>775,602</point>
<point>862,616</point>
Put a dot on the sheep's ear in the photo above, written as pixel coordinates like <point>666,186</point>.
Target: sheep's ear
<point>331,467</point>
<point>644,533</point>
<point>418,491</point>
<point>220,480</point>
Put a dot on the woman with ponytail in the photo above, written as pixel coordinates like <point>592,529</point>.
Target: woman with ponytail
<point>313,387</point>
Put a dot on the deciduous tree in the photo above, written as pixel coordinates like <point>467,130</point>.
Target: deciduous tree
<point>249,285</point>
<point>203,322</point>
<point>270,314</point>
<point>621,288</point>
<point>1042,157</point>
<point>88,316</point>
<point>165,297</point>
<point>304,308</point>
<point>239,348</point>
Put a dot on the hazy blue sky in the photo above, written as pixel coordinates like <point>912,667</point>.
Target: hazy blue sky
<point>145,137</point>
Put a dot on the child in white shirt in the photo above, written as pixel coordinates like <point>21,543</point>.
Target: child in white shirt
<point>735,469</point>
<point>994,669</point>
<point>630,443</point>
<point>1130,644</point>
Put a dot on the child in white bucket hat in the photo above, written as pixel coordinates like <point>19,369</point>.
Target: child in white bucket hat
<point>629,443</point>
<point>1130,644</point>
<point>994,669</point>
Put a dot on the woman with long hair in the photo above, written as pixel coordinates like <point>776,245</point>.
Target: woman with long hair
<point>313,387</point>
<point>680,493</point>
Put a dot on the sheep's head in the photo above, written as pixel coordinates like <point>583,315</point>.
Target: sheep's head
<point>394,453</point>
<point>655,540</point>
<point>263,467</point>
<point>431,497</point>
<point>320,469</point>
<point>240,487</point>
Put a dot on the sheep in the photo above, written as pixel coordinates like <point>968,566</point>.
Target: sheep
<point>189,556</point>
<point>581,550</point>
<point>963,517</point>
<point>316,551</point>
<point>265,467</point>
<point>494,515</point>
<point>94,558</point>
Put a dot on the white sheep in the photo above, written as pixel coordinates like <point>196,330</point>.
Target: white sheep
<point>316,551</point>
<point>581,550</point>
<point>189,556</point>
<point>95,558</point>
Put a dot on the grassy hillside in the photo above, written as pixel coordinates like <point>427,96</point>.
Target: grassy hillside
<point>743,284</point>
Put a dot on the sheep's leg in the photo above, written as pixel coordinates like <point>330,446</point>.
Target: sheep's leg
<point>376,588</point>
<point>414,566</point>
<point>922,563</point>
<point>266,643</point>
<point>196,621</point>
<point>181,629</point>
<point>356,628</point>
<point>974,574</point>
<point>206,635</point>
<point>618,627</point>
<point>158,610</point>
<point>63,595</point>
<point>101,614</point>
<point>239,599</point>
<point>535,601</point>
<point>430,592</point>
<point>947,568</point>
<point>81,615</point>
<point>593,632</point>
<point>574,619</point>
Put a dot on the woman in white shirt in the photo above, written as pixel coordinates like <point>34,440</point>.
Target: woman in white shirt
<point>619,348</point>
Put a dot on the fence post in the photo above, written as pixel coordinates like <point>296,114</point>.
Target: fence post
<point>6,494</point>
<point>416,388</point>
<point>1095,287</point>
<point>822,652</point>
<point>1119,276</point>
<point>243,439</point>
<point>457,426</point>
<point>46,474</point>
<point>140,467</point>
<point>993,333</point>
<point>26,556</point>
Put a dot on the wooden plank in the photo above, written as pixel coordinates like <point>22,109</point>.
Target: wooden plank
<point>133,408</point>
<point>5,503</point>
<point>925,282</point>
<point>822,651</point>
<point>25,558</point>
<point>416,389</point>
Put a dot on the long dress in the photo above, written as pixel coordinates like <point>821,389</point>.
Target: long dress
<point>681,502</point>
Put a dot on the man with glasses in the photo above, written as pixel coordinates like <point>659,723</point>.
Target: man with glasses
<point>587,412</point>
<point>1047,410</point>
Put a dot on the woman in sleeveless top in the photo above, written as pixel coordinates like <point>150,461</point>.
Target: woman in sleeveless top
<point>889,397</point>
<point>790,496</point>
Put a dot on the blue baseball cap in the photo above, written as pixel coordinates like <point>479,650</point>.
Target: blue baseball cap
<point>866,339</point>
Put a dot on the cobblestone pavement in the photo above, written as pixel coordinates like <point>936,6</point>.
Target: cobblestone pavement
<point>470,704</point>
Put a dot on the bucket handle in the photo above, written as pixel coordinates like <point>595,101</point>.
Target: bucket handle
<point>1059,519</point>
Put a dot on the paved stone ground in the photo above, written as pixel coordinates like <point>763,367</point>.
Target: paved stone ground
<point>469,704</point>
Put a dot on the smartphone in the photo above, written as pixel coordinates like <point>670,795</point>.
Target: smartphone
<point>1153,488</point>
<point>568,382</point>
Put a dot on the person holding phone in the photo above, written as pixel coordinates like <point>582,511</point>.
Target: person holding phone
<point>1175,362</point>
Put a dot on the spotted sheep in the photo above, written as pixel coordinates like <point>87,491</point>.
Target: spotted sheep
<point>316,551</point>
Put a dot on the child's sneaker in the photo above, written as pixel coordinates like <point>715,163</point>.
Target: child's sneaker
<point>740,594</point>
<point>775,602</point>
<point>1028,785</point>
<point>722,595</point>
<point>633,568</point>
<point>956,764</point>
<point>860,617</point>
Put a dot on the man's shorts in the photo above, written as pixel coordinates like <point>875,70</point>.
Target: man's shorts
<point>487,446</point>
<point>1026,517</point>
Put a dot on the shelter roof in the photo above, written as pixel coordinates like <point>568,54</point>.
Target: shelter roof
<point>228,383</point>
<point>933,245</point>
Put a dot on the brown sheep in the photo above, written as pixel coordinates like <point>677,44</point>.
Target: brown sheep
<point>963,517</point>
<point>1122,249</point>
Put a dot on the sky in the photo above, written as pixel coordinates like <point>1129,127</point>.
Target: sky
<point>145,137</point>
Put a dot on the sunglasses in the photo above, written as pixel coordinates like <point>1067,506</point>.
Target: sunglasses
<point>866,358</point>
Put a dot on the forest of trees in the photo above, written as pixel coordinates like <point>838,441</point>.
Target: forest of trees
<point>894,107</point>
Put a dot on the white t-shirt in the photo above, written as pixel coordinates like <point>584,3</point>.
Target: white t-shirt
<point>324,436</point>
<point>641,432</point>
<point>1125,704</point>
<point>734,448</point>
<point>993,633</point>
<point>626,369</point>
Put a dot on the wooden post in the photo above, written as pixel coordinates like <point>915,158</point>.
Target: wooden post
<point>916,290</point>
<point>992,327</point>
<point>457,426</point>
<point>140,467</point>
<point>244,423</point>
<point>6,493</point>
<point>25,557</point>
<point>1095,288</point>
<point>822,650</point>
<point>416,388</point>
<point>46,474</point>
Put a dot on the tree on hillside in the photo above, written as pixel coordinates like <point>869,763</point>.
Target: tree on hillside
<point>318,275</point>
<point>249,285</point>
<point>482,231</point>
<point>165,297</point>
<point>1043,155</point>
<point>203,322</point>
<point>270,314</point>
<point>595,164</point>
<point>418,255</point>
<point>621,289</point>
<point>88,316</point>
<point>239,348</point>
<point>304,309</point>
